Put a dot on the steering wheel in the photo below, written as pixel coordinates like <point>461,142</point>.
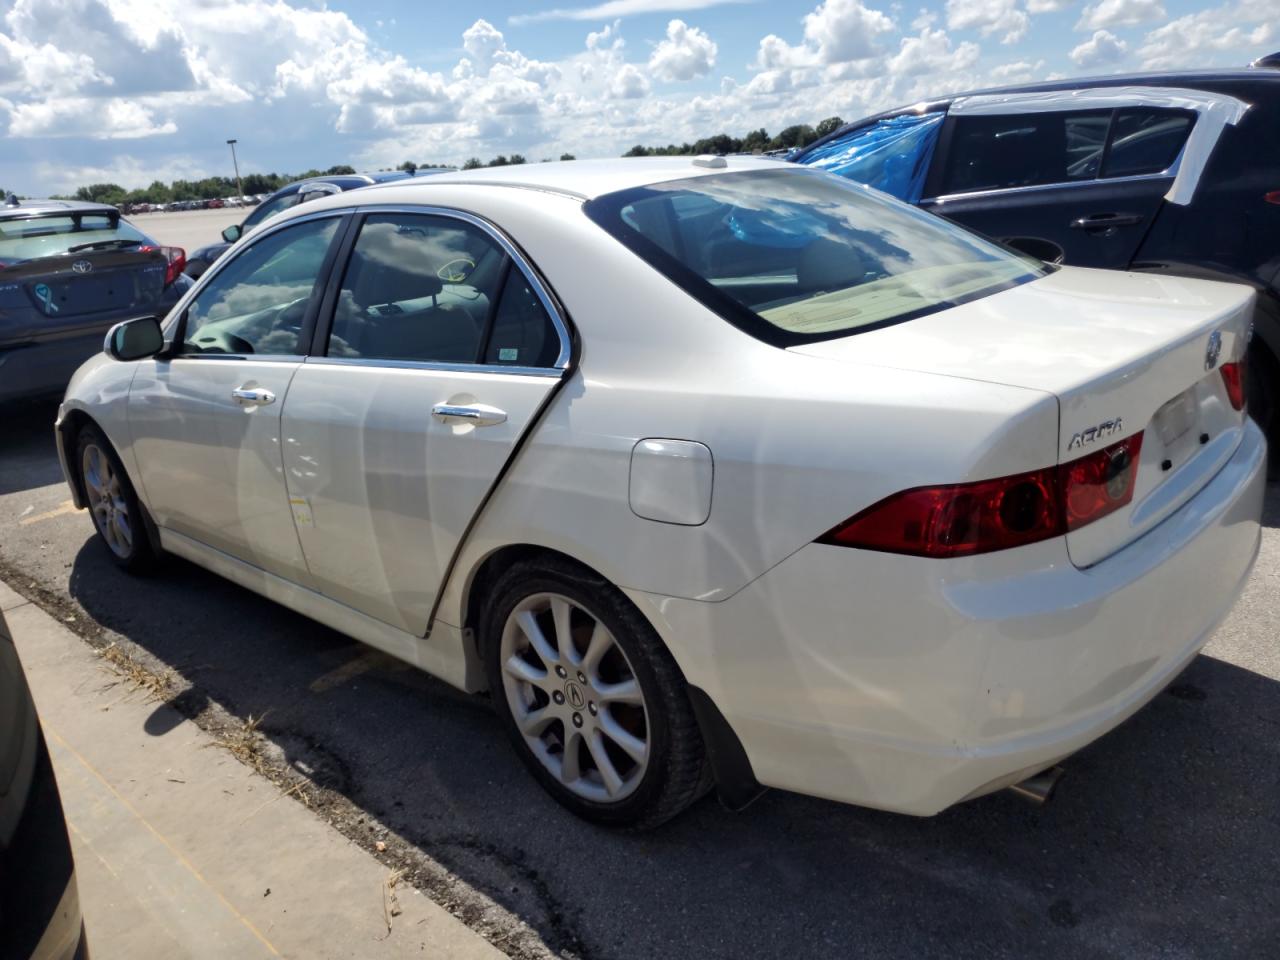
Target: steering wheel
<point>456,270</point>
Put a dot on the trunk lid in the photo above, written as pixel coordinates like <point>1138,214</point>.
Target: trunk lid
<point>1124,353</point>
<point>45,297</point>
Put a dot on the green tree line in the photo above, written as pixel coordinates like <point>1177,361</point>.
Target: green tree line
<point>755,141</point>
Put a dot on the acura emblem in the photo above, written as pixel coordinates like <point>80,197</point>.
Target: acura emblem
<point>1212,350</point>
<point>82,266</point>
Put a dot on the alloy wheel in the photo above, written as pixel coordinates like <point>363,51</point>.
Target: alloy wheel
<point>107,501</point>
<point>575,697</point>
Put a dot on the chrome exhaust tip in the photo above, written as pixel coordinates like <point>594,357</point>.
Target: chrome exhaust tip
<point>1038,789</point>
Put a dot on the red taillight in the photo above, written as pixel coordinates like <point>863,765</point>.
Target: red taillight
<point>968,518</point>
<point>1100,483</point>
<point>1272,197</point>
<point>177,261</point>
<point>1233,375</point>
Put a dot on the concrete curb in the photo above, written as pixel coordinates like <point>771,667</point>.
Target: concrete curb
<point>182,851</point>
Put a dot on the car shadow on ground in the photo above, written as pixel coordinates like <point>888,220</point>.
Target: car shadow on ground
<point>1160,842</point>
<point>26,445</point>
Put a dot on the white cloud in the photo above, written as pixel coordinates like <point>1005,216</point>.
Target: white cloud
<point>836,32</point>
<point>1048,6</point>
<point>1203,39</point>
<point>629,83</point>
<point>1020,71</point>
<point>685,53</point>
<point>1102,48</point>
<point>989,17</point>
<point>1120,13</point>
<point>931,52</point>
<point>98,119</point>
<point>617,8</point>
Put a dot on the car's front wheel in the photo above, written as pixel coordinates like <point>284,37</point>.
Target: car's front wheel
<point>113,504</point>
<point>592,700</point>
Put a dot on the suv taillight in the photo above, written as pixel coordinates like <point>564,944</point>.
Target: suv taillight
<point>1234,376</point>
<point>963,519</point>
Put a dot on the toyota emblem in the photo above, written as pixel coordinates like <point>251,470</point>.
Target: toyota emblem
<point>82,266</point>
<point>1212,350</point>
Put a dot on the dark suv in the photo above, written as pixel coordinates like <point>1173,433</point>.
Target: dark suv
<point>287,196</point>
<point>1166,173</point>
<point>68,272</point>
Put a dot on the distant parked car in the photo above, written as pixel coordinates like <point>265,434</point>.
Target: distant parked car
<point>1173,173</point>
<point>39,901</point>
<point>213,204</point>
<point>287,196</point>
<point>68,271</point>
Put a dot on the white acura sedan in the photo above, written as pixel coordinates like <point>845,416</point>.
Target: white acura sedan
<point>712,472</point>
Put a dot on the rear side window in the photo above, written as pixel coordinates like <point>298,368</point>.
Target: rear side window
<point>891,154</point>
<point>1145,140</point>
<point>1022,150</point>
<point>437,289</point>
<point>33,237</point>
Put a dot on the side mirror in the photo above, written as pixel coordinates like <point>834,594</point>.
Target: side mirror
<point>135,339</point>
<point>232,233</point>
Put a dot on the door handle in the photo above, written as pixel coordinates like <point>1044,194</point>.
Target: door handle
<point>476,414</point>
<point>1107,221</point>
<point>255,395</point>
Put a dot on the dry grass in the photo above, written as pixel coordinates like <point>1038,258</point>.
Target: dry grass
<point>156,686</point>
<point>244,742</point>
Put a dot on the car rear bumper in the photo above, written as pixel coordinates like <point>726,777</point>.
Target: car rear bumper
<point>42,368</point>
<point>911,684</point>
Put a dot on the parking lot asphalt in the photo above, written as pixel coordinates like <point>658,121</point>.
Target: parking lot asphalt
<point>1161,841</point>
<point>189,229</point>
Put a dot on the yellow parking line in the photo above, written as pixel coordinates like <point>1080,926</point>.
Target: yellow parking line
<point>352,668</point>
<point>66,507</point>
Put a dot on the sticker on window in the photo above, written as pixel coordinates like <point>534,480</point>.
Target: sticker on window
<point>508,353</point>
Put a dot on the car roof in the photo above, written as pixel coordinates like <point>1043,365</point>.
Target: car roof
<point>584,179</point>
<point>36,208</point>
<point>1191,79</point>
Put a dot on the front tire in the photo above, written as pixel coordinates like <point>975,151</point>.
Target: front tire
<point>113,504</point>
<point>591,699</point>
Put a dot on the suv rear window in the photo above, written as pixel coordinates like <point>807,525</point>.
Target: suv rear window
<point>29,238</point>
<point>794,255</point>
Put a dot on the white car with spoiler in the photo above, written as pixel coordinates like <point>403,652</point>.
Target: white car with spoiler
<point>713,472</point>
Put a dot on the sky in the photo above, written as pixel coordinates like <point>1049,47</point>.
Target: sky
<point>129,91</point>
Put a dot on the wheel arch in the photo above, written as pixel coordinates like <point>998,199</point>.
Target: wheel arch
<point>69,429</point>
<point>735,779</point>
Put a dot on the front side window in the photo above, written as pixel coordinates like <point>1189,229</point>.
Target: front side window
<point>436,289</point>
<point>256,304</point>
<point>30,238</point>
<point>891,154</point>
<point>791,255</point>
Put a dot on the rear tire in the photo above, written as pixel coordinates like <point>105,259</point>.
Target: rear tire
<point>591,699</point>
<point>117,514</point>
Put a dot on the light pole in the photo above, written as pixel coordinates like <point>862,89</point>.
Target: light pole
<point>236,163</point>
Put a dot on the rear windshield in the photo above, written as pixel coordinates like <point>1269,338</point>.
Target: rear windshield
<point>792,255</point>
<point>29,238</point>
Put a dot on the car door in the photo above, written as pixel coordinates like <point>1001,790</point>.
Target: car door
<point>205,417</point>
<point>1081,186</point>
<point>443,346</point>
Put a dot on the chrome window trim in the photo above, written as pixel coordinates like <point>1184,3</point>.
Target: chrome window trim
<point>436,365</point>
<point>1165,174</point>
<point>530,274</point>
<point>266,357</point>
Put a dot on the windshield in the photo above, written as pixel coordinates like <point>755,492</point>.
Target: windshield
<point>30,238</point>
<point>270,208</point>
<point>791,255</point>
